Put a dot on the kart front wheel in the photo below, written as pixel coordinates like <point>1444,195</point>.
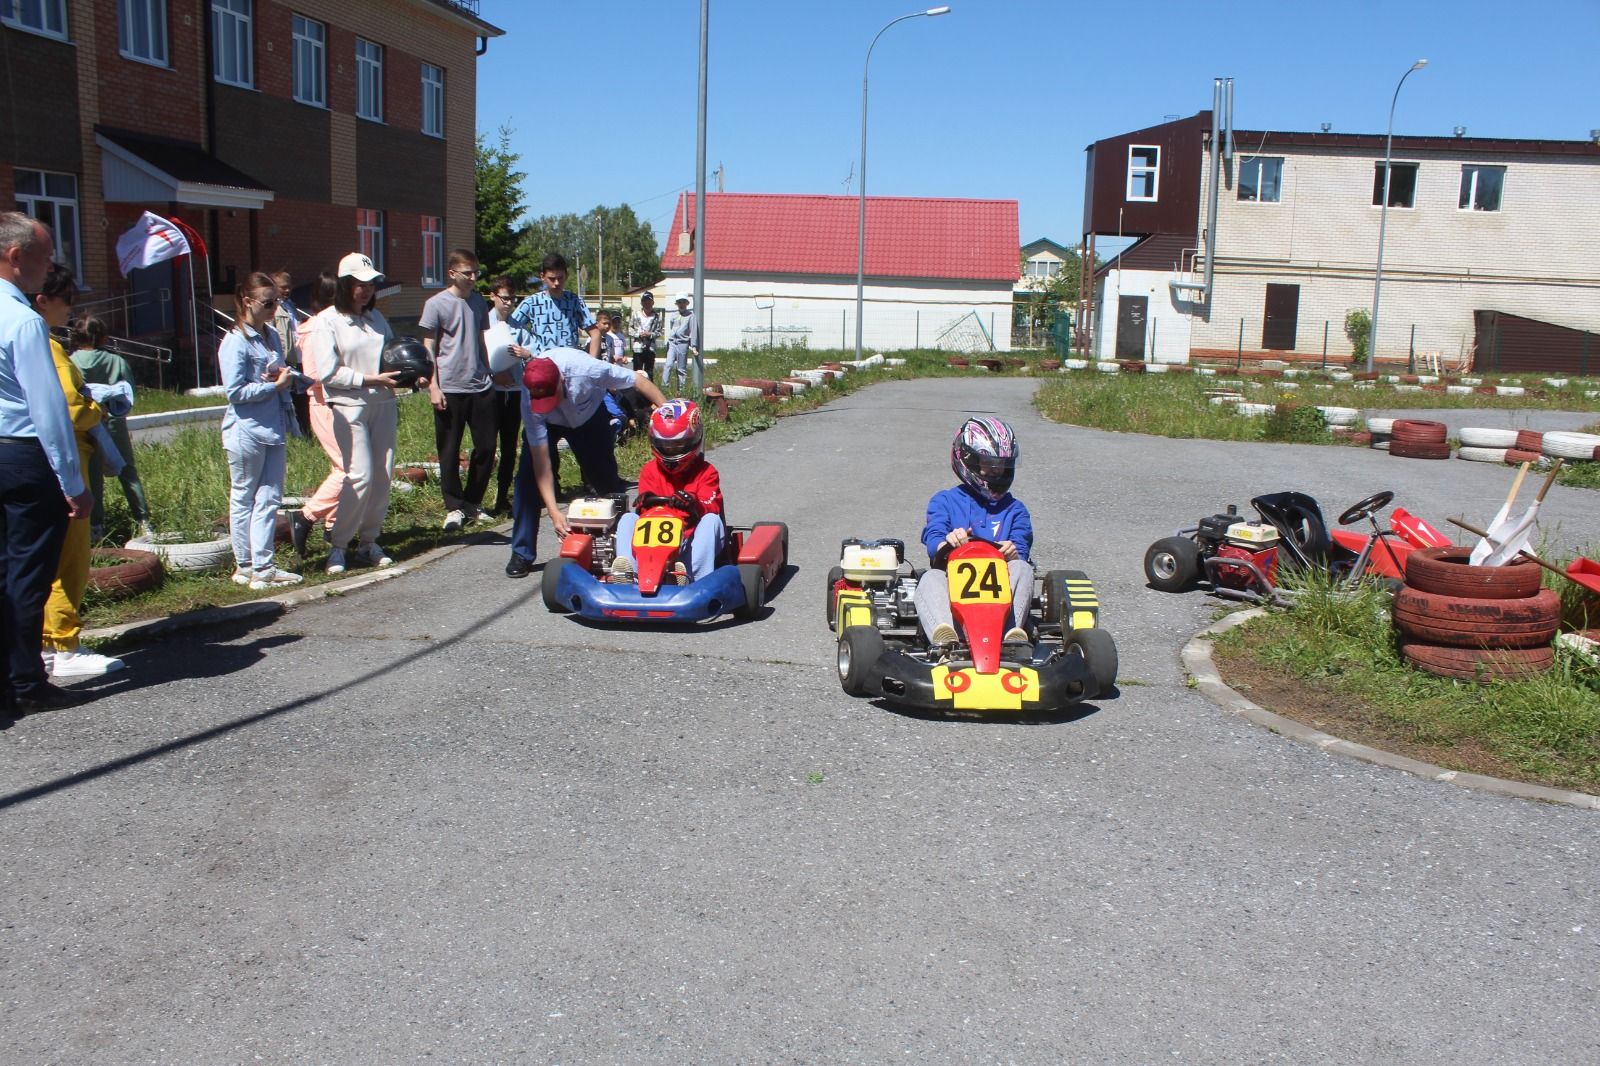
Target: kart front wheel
<point>859,651</point>
<point>755,590</point>
<point>1099,653</point>
<point>1172,564</point>
<point>548,583</point>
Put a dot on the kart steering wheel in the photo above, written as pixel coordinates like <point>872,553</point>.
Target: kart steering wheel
<point>682,501</point>
<point>1369,506</point>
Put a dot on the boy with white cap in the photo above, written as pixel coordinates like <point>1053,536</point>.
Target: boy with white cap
<point>680,343</point>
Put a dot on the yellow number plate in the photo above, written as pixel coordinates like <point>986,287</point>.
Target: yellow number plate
<point>657,532</point>
<point>979,581</point>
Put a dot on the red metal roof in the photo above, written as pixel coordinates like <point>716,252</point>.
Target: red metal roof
<point>907,237</point>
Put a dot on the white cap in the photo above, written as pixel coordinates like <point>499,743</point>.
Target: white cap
<point>355,265</point>
<point>682,298</point>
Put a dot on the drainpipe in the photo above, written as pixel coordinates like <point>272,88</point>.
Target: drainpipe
<point>1211,193</point>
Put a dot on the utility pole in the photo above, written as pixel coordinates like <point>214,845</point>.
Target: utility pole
<point>600,256</point>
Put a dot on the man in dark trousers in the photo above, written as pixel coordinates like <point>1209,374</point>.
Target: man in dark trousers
<point>453,323</point>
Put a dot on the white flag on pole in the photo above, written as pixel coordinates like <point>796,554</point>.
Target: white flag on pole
<point>152,240</point>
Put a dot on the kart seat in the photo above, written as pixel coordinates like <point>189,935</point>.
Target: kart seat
<point>1298,520</point>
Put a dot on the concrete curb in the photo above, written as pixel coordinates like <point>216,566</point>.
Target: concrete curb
<point>169,418</point>
<point>1197,661</point>
<point>274,605</point>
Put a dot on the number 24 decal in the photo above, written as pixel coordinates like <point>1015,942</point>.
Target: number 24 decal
<point>977,582</point>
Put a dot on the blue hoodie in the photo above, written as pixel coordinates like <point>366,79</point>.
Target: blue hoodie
<point>960,507</point>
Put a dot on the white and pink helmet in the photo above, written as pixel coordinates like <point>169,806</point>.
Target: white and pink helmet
<point>984,456</point>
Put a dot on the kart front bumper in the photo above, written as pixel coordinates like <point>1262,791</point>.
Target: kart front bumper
<point>719,592</point>
<point>908,681</point>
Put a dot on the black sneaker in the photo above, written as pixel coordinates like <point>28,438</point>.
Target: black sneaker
<point>299,532</point>
<point>49,698</point>
<point>519,567</point>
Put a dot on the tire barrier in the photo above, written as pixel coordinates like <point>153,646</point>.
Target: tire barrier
<point>1479,664</point>
<point>1570,445</point>
<point>1474,623</point>
<point>1449,572</point>
<point>1479,437</point>
<point>1413,449</point>
<point>135,572</point>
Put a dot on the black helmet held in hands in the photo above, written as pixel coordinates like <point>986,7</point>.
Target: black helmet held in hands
<point>407,358</point>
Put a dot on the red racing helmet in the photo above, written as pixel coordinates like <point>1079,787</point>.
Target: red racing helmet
<point>676,434</point>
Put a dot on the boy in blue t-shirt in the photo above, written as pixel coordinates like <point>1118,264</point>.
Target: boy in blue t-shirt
<point>984,456</point>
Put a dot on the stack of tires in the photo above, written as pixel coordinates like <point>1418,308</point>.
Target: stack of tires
<point>1415,438</point>
<point>1382,430</point>
<point>1485,444</point>
<point>1582,446</point>
<point>1476,623</point>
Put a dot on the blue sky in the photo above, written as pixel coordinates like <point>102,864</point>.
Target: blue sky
<point>998,98</point>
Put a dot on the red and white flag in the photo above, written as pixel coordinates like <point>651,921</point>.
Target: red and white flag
<point>152,240</point>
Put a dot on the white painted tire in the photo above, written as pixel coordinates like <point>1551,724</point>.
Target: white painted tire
<point>1482,455</point>
<point>1380,425</point>
<point>293,503</point>
<point>1561,445</point>
<point>1458,390</point>
<point>1256,410</point>
<point>1479,437</point>
<point>1155,368</point>
<point>1341,375</point>
<point>1408,388</point>
<point>815,377</point>
<point>741,392</point>
<point>894,362</point>
<point>1380,445</point>
<point>1206,371</point>
<point>1107,368</point>
<point>1225,399</point>
<point>177,554</point>
<point>1510,390</point>
<point>1288,386</point>
<point>1339,416</point>
<point>1472,381</point>
<point>1074,364</point>
<point>1555,383</point>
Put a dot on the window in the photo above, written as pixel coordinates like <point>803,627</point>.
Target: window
<point>310,62</point>
<point>369,233</point>
<point>432,100</point>
<point>142,30</point>
<point>1481,187</point>
<point>369,80</point>
<point>432,250</point>
<point>232,47</point>
<point>1041,268</point>
<point>48,17</point>
<point>53,200</point>
<point>1144,171</point>
<point>1402,186</point>
<point>1261,180</point>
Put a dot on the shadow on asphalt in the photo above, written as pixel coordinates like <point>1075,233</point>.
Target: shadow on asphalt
<point>185,656</point>
<point>725,621</point>
<point>1065,716</point>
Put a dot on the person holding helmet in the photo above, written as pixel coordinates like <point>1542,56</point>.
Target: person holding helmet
<point>678,468</point>
<point>984,458</point>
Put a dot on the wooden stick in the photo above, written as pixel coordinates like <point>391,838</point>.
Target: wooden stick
<point>1516,487</point>
<point>1525,553</point>
<point>1549,479</point>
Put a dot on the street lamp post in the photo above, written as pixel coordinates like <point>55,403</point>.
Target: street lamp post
<point>861,216</point>
<point>1383,216</point>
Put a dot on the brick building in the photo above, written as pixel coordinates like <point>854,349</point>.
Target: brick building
<point>286,134</point>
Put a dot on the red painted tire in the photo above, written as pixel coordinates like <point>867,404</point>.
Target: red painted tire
<point>1419,430</point>
<point>769,388</point>
<point>1516,457</point>
<point>1530,440</point>
<point>1414,449</point>
<point>1463,622</point>
<point>139,571</point>
<point>1472,664</point>
<point>1447,572</point>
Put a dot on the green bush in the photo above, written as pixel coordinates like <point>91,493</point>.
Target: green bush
<point>1358,327</point>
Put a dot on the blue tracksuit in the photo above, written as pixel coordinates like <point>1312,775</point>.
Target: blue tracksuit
<point>960,507</point>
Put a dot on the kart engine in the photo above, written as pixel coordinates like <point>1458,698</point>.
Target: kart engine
<point>875,568</point>
<point>598,517</point>
<point>1225,536</point>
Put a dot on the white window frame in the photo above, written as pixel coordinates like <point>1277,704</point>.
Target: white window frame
<point>1377,164</point>
<point>310,62</point>
<point>432,100</point>
<point>1151,170</point>
<point>369,80</point>
<point>369,235</point>
<point>47,18</point>
<point>1469,185</point>
<point>433,251</point>
<point>152,18</point>
<point>1245,161</point>
<point>47,206</point>
<point>233,42</point>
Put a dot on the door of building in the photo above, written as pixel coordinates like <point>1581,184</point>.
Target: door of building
<point>1282,317</point>
<point>1132,311</point>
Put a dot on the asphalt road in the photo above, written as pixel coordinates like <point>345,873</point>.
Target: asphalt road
<point>430,820</point>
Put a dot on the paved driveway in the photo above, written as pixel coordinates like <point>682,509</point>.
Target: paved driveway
<point>431,820</point>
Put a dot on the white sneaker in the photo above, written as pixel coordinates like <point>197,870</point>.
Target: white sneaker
<point>483,516</point>
<point>335,560</point>
<point>454,521</point>
<point>49,658</point>
<point>943,633</point>
<point>373,555</point>
<point>621,569</point>
<point>1015,635</point>
<point>147,531</point>
<point>274,579</point>
<point>81,663</point>
<point>243,575</point>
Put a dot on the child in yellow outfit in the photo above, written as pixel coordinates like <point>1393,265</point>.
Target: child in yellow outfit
<point>62,622</point>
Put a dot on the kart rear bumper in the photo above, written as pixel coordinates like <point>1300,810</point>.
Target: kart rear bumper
<point>719,592</point>
<point>908,681</point>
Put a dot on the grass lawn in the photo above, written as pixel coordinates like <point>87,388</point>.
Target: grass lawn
<point>1332,663</point>
<point>158,401</point>
<point>186,479</point>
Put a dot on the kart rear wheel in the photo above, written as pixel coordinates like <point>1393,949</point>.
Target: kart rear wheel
<point>1056,601</point>
<point>548,582</point>
<point>1100,656</point>
<point>755,590</point>
<point>831,607</point>
<point>783,538</point>
<point>1172,564</point>
<point>859,651</point>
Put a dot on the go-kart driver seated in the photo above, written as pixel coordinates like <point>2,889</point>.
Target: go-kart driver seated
<point>678,469</point>
<point>984,456</point>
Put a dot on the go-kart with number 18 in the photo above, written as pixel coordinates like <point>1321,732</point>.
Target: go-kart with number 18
<point>882,651</point>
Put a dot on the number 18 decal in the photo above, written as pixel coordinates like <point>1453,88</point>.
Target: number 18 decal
<point>656,532</point>
<point>978,581</point>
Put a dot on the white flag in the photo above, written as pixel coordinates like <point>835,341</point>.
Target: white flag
<point>152,240</point>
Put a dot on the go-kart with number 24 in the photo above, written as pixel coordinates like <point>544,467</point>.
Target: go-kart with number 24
<point>882,651</point>
<point>581,581</point>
